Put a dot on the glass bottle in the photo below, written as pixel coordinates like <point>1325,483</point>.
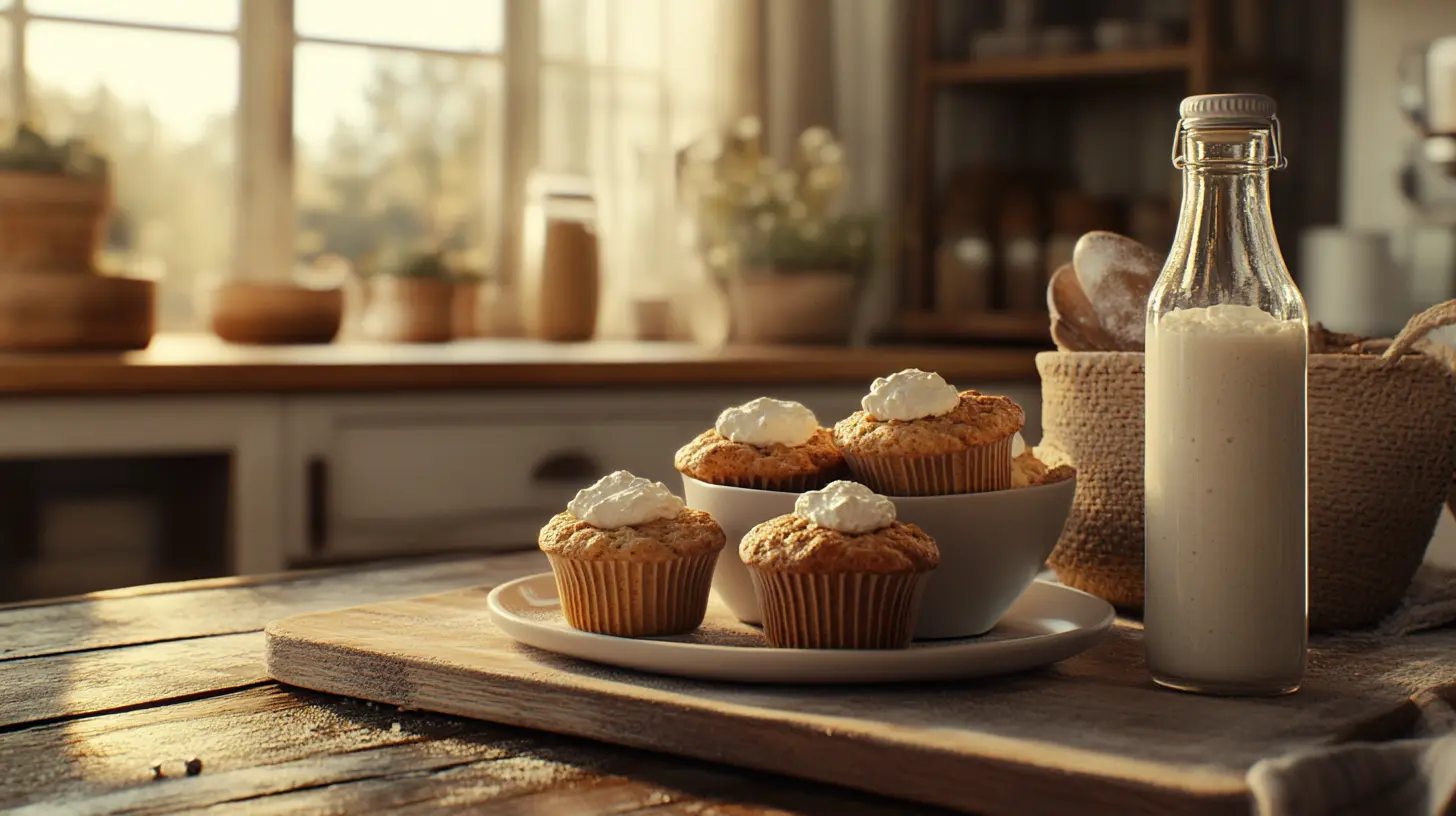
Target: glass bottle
<point>1226,467</point>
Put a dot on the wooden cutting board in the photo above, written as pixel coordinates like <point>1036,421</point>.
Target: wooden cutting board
<point>1091,735</point>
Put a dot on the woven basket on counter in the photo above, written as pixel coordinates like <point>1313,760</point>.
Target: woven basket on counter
<point>1381,434</point>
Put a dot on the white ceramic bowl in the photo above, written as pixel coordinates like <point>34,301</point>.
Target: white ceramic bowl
<point>992,545</point>
<point>737,510</point>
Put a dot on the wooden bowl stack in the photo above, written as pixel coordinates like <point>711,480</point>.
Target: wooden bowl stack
<point>51,296</point>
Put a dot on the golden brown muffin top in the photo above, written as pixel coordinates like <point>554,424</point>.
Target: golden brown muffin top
<point>1029,471</point>
<point>691,532</point>
<point>977,420</point>
<point>792,544</point>
<point>714,458</point>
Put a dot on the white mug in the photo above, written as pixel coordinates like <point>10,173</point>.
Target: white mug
<point>1351,283</point>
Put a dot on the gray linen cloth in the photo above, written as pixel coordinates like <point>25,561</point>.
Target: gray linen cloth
<point>1406,777</point>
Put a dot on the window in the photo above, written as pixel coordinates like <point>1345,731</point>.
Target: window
<point>398,112</point>
<point>155,89</point>
<point>624,84</point>
<point>367,129</point>
<point>396,118</point>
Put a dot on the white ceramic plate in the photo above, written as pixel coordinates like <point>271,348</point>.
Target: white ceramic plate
<point>1048,623</point>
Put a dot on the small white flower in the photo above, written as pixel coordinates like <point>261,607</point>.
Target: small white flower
<point>718,257</point>
<point>814,139</point>
<point>748,128</point>
<point>785,185</point>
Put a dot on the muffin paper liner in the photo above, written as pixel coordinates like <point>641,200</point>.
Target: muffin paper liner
<point>634,599</point>
<point>846,610</point>
<point>981,469</point>
<point>792,484</point>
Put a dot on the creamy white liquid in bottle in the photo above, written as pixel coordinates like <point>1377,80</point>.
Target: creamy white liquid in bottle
<point>1226,512</point>
<point>1225,479</point>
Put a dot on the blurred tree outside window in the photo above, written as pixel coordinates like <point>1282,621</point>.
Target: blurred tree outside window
<point>397,110</point>
<point>398,119</point>
<point>158,103</point>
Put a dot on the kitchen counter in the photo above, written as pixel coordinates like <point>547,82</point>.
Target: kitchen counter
<point>202,364</point>
<point>358,450</point>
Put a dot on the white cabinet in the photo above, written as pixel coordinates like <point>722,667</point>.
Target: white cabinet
<point>318,478</point>
<point>374,475</point>
<point>246,429</point>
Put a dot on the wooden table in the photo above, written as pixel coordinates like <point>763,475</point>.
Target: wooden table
<point>96,690</point>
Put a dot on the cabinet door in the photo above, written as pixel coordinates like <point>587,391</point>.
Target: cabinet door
<point>397,476</point>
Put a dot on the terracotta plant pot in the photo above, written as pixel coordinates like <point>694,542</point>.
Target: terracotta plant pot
<point>410,310</point>
<point>464,308</point>
<point>51,223</point>
<point>799,306</point>
<point>265,313</point>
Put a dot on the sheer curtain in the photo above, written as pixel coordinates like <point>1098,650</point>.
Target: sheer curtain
<point>621,86</point>
<point>843,64</point>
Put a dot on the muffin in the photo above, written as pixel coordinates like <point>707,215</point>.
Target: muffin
<point>1027,470</point>
<point>765,444</point>
<point>918,436</point>
<point>630,559</point>
<point>839,572</point>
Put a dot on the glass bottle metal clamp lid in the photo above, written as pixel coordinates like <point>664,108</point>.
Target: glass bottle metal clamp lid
<point>1226,485</point>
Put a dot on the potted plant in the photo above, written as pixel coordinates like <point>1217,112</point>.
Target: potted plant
<point>474,302</point>
<point>776,237</point>
<point>54,202</point>
<point>55,198</point>
<point>411,301</point>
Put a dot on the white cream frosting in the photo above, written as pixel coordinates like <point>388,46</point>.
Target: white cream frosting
<point>1018,445</point>
<point>622,500</point>
<point>910,394</point>
<point>848,507</point>
<point>767,421</point>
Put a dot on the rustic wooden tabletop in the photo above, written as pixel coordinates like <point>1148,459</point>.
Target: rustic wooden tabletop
<point>105,699</point>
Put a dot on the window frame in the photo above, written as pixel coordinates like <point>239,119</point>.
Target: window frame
<point>265,199</point>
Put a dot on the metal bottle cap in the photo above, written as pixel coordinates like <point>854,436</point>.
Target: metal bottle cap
<point>1232,109</point>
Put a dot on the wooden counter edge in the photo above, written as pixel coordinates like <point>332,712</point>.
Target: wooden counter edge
<point>59,375</point>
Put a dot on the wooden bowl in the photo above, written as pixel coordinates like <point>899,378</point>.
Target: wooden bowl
<point>42,311</point>
<point>276,314</point>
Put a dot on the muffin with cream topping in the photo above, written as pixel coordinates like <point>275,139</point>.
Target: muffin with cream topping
<point>839,572</point>
<point>765,444</point>
<point>918,436</point>
<point>631,559</point>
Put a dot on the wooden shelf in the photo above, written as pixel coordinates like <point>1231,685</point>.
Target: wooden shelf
<point>1060,67</point>
<point>988,327</point>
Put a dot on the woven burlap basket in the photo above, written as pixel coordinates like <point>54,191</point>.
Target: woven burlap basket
<point>1381,434</point>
